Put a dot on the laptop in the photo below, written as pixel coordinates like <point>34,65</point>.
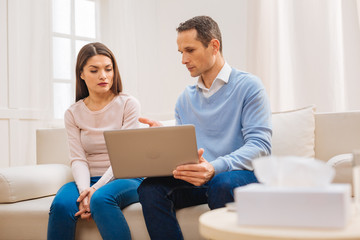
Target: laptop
<point>150,152</point>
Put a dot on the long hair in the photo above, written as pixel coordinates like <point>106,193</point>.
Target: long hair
<point>86,52</point>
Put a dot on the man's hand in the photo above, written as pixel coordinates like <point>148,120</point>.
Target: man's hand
<point>197,174</point>
<point>151,123</point>
<point>84,206</point>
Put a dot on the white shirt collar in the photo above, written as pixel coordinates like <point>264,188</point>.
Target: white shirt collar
<point>221,79</point>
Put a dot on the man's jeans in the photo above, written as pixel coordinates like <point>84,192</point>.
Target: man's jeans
<point>161,196</point>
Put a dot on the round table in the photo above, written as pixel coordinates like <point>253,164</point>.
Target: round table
<point>220,224</point>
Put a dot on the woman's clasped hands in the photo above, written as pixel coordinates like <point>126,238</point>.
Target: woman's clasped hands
<point>84,203</point>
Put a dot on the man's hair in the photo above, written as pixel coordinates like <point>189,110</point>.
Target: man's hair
<point>206,28</point>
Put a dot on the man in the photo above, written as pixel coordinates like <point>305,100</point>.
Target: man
<point>232,119</point>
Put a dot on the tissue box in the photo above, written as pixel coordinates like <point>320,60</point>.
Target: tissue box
<point>261,205</point>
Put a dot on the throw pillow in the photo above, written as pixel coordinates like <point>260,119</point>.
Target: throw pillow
<point>294,133</point>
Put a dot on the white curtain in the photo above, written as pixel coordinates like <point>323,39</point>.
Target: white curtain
<point>306,52</point>
<point>25,101</point>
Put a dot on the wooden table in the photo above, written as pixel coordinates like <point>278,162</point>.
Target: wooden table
<point>220,224</point>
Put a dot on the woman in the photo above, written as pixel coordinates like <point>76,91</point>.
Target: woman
<point>100,105</point>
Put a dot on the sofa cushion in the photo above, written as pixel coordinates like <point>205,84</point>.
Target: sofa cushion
<point>294,133</point>
<point>28,182</point>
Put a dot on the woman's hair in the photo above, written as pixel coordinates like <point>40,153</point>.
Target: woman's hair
<point>86,52</point>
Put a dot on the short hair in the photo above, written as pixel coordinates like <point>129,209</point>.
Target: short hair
<point>86,52</point>
<point>206,28</point>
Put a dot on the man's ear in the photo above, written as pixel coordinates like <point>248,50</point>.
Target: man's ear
<point>215,45</point>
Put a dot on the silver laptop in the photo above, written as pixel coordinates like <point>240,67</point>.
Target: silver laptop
<point>150,152</point>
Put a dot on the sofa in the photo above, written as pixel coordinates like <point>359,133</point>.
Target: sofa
<point>26,192</point>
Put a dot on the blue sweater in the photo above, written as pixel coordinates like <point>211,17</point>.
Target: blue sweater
<point>233,125</point>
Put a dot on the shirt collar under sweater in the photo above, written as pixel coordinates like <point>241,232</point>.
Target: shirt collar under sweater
<point>221,79</point>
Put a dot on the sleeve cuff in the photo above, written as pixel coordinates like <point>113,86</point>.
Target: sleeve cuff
<point>219,166</point>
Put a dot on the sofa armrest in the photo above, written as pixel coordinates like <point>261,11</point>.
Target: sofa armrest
<point>342,164</point>
<point>28,182</point>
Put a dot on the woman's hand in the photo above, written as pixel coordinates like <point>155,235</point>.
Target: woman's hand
<point>83,212</point>
<point>84,206</point>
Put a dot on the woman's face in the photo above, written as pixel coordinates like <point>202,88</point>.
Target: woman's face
<point>98,74</point>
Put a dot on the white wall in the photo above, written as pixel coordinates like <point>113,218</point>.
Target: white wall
<point>4,123</point>
<point>142,35</point>
<point>24,78</point>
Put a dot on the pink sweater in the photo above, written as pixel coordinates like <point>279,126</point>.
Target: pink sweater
<point>88,153</point>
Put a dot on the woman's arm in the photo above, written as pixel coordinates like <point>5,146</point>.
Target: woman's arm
<point>79,164</point>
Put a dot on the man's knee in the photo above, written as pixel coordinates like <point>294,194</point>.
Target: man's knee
<point>152,189</point>
<point>221,187</point>
<point>221,183</point>
<point>146,190</point>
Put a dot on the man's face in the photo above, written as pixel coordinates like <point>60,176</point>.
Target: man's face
<point>198,59</point>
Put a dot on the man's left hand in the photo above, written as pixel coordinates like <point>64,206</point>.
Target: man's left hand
<point>196,174</point>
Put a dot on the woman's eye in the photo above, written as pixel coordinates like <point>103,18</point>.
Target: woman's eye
<point>109,69</point>
<point>93,71</point>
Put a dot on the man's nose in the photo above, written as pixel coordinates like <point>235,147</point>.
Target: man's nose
<point>184,59</point>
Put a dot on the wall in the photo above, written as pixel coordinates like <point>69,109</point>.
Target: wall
<point>142,35</point>
<point>24,78</point>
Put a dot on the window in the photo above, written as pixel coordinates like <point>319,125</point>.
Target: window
<point>74,24</point>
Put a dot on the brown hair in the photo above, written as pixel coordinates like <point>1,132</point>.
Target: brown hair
<point>206,28</point>
<point>86,52</point>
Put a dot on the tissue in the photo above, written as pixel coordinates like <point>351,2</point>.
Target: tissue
<point>293,192</point>
<point>293,172</point>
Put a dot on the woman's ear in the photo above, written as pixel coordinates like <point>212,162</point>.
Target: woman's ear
<point>82,75</point>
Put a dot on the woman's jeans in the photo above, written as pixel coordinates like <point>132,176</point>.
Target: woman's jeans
<point>105,206</point>
<point>161,196</point>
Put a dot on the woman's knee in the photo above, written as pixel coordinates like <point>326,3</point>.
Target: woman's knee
<point>63,208</point>
<point>98,201</point>
<point>65,201</point>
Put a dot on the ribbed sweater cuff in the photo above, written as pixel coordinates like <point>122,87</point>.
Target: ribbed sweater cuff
<point>219,166</point>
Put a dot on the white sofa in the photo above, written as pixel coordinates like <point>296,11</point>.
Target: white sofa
<point>26,192</point>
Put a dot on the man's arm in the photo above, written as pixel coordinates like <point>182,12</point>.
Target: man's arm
<point>256,130</point>
<point>151,123</point>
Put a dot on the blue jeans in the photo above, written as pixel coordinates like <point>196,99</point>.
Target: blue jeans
<point>105,206</point>
<point>161,196</point>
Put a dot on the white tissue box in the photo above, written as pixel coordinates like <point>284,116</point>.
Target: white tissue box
<point>261,205</point>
